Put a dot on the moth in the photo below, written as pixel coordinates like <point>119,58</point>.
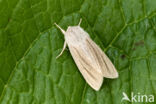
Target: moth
<point>89,58</point>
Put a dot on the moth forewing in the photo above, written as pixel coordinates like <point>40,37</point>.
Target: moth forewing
<point>105,65</point>
<point>88,69</point>
<point>89,58</point>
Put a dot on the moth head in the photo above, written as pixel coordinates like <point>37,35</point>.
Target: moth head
<point>72,28</point>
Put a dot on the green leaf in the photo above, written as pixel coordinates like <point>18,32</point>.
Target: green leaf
<point>29,44</point>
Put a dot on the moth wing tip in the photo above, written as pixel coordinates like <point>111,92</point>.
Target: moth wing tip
<point>98,85</point>
<point>116,75</point>
<point>112,76</point>
<point>97,88</point>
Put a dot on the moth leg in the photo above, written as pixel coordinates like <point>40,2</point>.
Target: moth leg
<point>64,47</point>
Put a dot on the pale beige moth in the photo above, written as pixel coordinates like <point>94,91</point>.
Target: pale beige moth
<point>89,58</point>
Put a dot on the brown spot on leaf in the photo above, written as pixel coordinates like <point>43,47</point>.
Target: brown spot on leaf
<point>134,49</point>
<point>140,43</point>
<point>122,56</point>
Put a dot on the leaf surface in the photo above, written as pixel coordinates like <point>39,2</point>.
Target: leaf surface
<point>29,44</point>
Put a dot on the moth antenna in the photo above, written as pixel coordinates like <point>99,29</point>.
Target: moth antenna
<point>80,22</point>
<point>60,28</point>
